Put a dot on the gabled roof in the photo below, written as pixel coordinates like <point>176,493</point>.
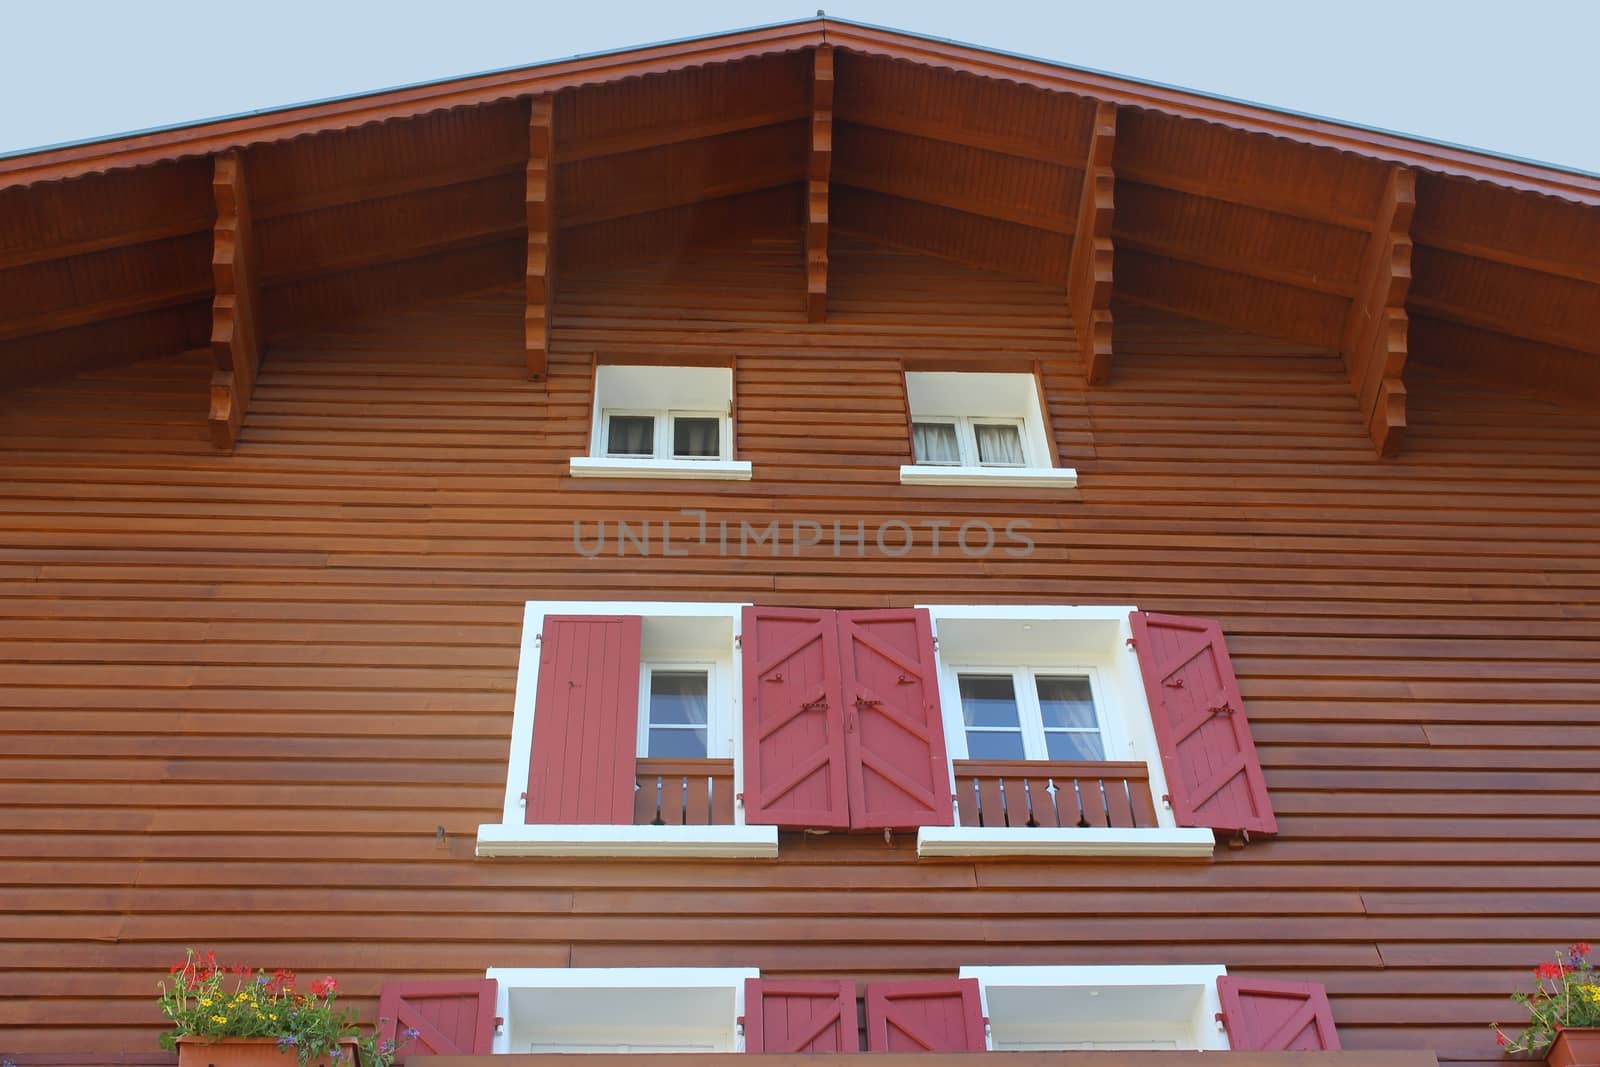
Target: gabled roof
<point>1262,219</point>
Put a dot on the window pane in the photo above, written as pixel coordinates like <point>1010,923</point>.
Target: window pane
<point>696,438</point>
<point>667,743</point>
<point>935,442</point>
<point>999,445</point>
<point>1075,745</point>
<point>678,698</point>
<point>1066,702</point>
<point>988,700</point>
<point>994,744</point>
<point>631,435</point>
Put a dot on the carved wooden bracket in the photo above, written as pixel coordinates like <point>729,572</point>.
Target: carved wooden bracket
<point>1375,340</point>
<point>235,323</point>
<point>817,171</point>
<point>541,234</point>
<point>1089,271</point>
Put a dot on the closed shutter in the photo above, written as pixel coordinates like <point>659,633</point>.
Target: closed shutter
<point>894,733</point>
<point>452,1018</point>
<point>945,1015</point>
<point>1268,1016</point>
<point>800,1016</point>
<point>1213,774</point>
<point>585,720</point>
<point>794,747</point>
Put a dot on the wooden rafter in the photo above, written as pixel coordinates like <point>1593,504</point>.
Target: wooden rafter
<point>235,322</point>
<point>541,234</point>
<point>1374,346</point>
<point>1089,273</point>
<point>818,170</point>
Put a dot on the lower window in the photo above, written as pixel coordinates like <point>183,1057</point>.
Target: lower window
<point>1132,1007</point>
<point>640,1009</point>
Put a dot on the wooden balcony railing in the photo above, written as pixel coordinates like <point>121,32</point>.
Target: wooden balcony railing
<point>683,792</point>
<point>1046,793</point>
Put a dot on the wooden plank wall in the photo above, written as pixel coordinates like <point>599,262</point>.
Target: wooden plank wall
<point>243,694</point>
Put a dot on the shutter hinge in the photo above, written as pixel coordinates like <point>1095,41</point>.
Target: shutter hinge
<point>1132,642</point>
<point>1222,1022</point>
<point>1166,801</point>
<point>1239,840</point>
<point>499,1025</point>
<point>522,798</point>
<point>738,642</point>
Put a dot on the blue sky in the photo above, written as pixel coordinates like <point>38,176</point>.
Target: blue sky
<point>1514,78</point>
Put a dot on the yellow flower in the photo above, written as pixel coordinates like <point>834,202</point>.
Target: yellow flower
<point>205,1002</point>
<point>219,1018</point>
<point>271,1016</point>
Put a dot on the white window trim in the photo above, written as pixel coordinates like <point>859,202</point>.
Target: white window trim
<point>1119,698</point>
<point>1037,473</point>
<point>719,731</point>
<point>1207,1029</point>
<point>967,440</point>
<point>513,837</point>
<point>663,464</point>
<point>509,978</point>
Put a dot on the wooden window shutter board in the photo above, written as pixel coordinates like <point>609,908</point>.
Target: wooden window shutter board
<point>1269,1016</point>
<point>942,1015</point>
<point>586,719</point>
<point>898,772</point>
<point>794,746</point>
<point>1214,777</point>
<point>800,1016</point>
<point>453,1017</point>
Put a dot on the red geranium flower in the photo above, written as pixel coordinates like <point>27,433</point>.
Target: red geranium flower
<point>1501,1038</point>
<point>323,987</point>
<point>1550,970</point>
<point>1581,948</point>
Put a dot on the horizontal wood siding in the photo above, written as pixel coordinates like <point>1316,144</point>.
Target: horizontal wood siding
<point>260,702</point>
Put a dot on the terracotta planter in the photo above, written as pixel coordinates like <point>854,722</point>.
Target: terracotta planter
<point>251,1052</point>
<point>1576,1048</point>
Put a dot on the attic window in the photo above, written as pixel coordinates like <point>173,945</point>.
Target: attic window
<point>661,422</point>
<point>977,428</point>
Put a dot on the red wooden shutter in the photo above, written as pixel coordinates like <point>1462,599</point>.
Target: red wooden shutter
<point>452,1018</point>
<point>1276,1016</point>
<point>894,733</point>
<point>798,1016</point>
<point>1213,775</point>
<point>585,720</point>
<point>939,1016</point>
<point>794,746</point>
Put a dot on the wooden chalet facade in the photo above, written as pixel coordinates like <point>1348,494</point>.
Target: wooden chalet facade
<point>810,539</point>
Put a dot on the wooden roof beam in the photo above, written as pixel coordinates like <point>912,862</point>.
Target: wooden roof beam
<point>1089,270</point>
<point>1375,332</point>
<point>818,170</point>
<point>541,234</point>
<point>236,330</point>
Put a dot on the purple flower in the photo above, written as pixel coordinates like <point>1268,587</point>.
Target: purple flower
<point>412,1033</point>
<point>286,1039</point>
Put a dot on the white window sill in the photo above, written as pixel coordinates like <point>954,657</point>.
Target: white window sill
<point>1180,842</point>
<point>737,470</point>
<point>501,839</point>
<point>1044,477</point>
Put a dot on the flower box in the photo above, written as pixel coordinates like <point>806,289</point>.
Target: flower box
<point>1577,1047</point>
<point>252,1052</point>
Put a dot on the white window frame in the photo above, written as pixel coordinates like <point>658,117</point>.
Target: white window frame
<point>719,704</point>
<point>1200,1026</point>
<point>513,837</point>
<point>969,397</point>
<point>1024,678</point>
<point>665,394</point>
<point>1077,639</point>
<point>606,982</point>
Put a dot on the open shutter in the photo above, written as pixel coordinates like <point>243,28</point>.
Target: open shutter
<point>1213,774</point>
<point>944,1015</point>
<point>452,1018</point>
<point>1276,1016</point>
<point>794,747</point>
<point>585,720</point>
<point>894,733</point>
<point>800,1016</point>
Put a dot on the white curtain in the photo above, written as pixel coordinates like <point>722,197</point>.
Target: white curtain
<point>935,442</point>
<point>631,435</point>
<point>1000,445</point>
<point>696,438</point>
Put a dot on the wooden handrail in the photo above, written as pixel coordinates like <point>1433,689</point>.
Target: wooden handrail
<point>683,792</point>
<point>1060,793</point>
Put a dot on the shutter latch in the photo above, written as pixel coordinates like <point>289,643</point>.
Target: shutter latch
<point>1222,709</point>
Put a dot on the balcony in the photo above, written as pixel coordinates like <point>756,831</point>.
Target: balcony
<point>683,792</point>
<point>1037,793</point>
<point>1406,1058</point>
